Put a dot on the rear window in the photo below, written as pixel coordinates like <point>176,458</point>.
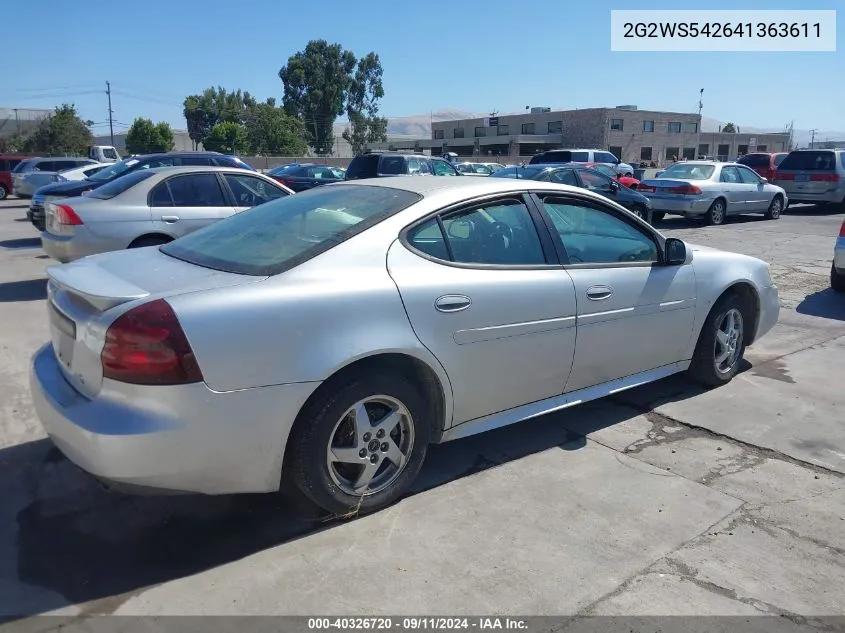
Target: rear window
<point>810,160</point>
<point>755,160</point>
<point>25,165</point>
<point>365,166</point>
<point>526,173</point>
<point>284,233</point>
<point>687,171</point>
<point>119,185</point>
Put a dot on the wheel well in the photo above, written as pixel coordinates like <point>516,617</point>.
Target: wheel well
<point>751,306</point>
<point>159,236</point>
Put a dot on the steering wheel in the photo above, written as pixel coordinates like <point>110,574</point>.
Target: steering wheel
<point>505,231</point>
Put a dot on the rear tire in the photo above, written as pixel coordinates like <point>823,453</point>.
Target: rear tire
<point>3,192</point>
<point>775,208</point>
<point>150,240</point>
<point>721,343</point>
<point>641,212</point>
<point>342,466</point>
<point>837,280</point>
<point>717,213</point>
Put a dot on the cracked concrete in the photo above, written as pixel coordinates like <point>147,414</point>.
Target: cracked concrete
<point>664,500</point>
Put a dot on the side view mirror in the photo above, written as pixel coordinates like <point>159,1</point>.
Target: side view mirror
<point>675,251</point>
<point>614,185</point>
<point>765,180</point>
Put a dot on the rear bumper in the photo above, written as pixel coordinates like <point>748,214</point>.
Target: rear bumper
<point>694,206</point>
<point>67,248</point>
<point>769,311</point>
<point>832,196</point>
<point>184,438</point>
<point>22,188</point>
<point>839,255</point>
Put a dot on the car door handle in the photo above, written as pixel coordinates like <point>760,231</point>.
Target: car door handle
<point>170,219</point>
<point>599,293</point>
<point>452,303</point>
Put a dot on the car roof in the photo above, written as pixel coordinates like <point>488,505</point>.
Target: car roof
<point>187,169</point>
<point>176,153</point>
<point>429,185</point>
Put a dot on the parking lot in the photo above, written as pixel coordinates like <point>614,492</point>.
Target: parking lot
<point>663,500</point>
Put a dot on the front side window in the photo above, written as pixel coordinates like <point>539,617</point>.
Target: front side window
<point>594,236</point>
<point>564,177</point>
<point>110,153</point>
<point>250,191</point>
<point>748,176</point>
<point>283,233</point>
<point>500,233</point>
<point>594,181</point>
<point>442,168</point>
<point>196,190</point>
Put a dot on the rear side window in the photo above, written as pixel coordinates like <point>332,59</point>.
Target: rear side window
<point>365,166</point>
<point>119,185</point>
<point>196,190</point>
<point>755,160</point>
<point>202,161</point>
<point>810,160</point>
<point>392,166</point>
<point>284,233</point>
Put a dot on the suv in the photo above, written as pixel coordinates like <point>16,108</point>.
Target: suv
<point>581,156</point>
<point>8,162</point>
<point>22,189</point>
<point>763,163</point>
<point>813,176</point>
<point>61,190</point>
<point>381,164</point>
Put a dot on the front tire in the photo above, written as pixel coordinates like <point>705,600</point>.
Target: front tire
<point>641,212</point>
<point>721,344</point>
<point>775,208</point>
<point>837,280</point>
<point>716,213</point>
<point>3,192</point>
<point>359,448</point>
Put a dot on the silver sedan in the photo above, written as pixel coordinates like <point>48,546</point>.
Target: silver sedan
<point>712,191</point>
<point>335,334</point>
<point>150,207</point>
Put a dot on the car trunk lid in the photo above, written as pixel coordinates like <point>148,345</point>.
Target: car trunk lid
<point>84,297</point>
<point>667,188</point>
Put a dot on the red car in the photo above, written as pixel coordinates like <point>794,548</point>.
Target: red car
<point>7,163</point>
<point>608,170</point>
<point>764,163</point>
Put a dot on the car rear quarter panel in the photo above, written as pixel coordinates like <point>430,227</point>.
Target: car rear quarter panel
<point>305,324</point>
<point>716,272</point>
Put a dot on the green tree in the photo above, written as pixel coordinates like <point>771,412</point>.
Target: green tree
<point>270,131</point>
<point>365,89</point>
<point>729,128</point>
<point>61,133</point>
<point>316,81</point>
<point>227,137</point>
<point>145,137</point>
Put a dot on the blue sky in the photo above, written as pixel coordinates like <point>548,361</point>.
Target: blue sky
<point>436,55</point>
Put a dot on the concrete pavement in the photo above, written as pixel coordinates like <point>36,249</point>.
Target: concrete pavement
<point>665,500</point>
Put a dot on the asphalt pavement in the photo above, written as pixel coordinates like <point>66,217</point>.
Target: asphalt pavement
<point>663,500</point>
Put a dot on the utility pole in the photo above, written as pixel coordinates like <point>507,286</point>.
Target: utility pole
<point>17,123</point>
<point>813,137</point>
<point>111,122</point>
<point>700,102</point>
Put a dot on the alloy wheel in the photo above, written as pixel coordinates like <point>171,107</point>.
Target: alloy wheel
<point>728,346</point>
<point>775,208</point>
<point>370,445</point>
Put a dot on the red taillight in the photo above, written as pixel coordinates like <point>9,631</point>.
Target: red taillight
<point>842,230</point>
<point>645,187</point>
<point>147,346</point>
<point>779,175</point>
<point>825,177</point>
<point>688,190</point>
<point>66,215</point>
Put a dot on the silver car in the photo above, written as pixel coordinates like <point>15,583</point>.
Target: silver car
<point>335,334</point>
<point>33,180</point>
<point>151,207</point>
<point>24,187</point>
<point>837,268</point>
<point>816,176</point>
<point>712,191</point>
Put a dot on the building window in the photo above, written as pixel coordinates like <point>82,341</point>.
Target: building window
<point>672,153</point>
<point>704,149</point>
<point>675,126</point>
<point>616,124</point>
<point>438,134</point>
<point>528,128</point>
<point>648,126</point>
<point>723,152</point>
<point>458,132</point>
<point>555,127</point>
<point>761,148</point>
<point>690,128</point>
<point>743,150</point>
<point>480,131</point>
<point>689,153</point>
<point>616,151</point>
<point>504,130</point>
<point>645,153</point>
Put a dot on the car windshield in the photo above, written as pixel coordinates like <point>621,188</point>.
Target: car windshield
<point>527,173</point>
<point>119,185</point>
<point>115,170</point>
<point>689,171</point>
<point>281,234</point>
